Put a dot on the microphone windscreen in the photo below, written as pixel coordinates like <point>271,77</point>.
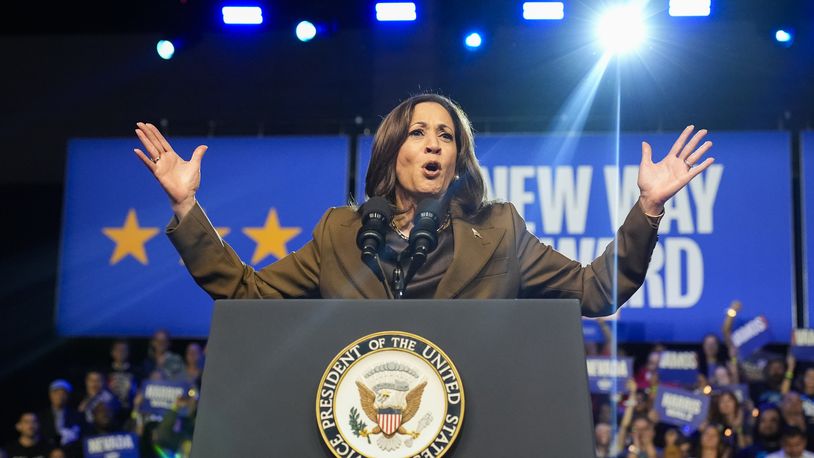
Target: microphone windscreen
<point>379,205</point>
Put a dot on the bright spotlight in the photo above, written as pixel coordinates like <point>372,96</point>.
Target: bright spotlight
<point>689,7</point>
<point>242,15</point>
<point>784,37</point>
<point>473,40</point>
<point>306,31</point>
<point>165,49</point>
<point>536,11</point>
<point>394,11</point>
<point>621,29</point>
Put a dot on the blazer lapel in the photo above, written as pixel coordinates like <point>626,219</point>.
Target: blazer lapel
<point>349,259</point>
<point>474,246</point>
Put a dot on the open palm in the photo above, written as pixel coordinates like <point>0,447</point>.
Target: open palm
<point>180,179</point>
<point>659,181</point>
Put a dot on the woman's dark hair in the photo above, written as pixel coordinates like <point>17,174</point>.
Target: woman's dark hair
<point>715,415</point>
<point>465,195</point>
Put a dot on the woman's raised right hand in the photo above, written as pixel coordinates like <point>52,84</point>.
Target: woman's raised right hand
<point>180,179</point>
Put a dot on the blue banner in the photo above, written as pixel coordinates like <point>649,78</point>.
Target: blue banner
<point>807,195</point>
<point>679,367</point>
<point>803,344</point>
<point>119,445</point>
<point>723,237</point>
<point>606,375</point>
<point>681,407</point>
<point>119,274</point>
<point>751,336</point>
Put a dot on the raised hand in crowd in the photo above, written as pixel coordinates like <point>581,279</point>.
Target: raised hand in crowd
<point>180,179</point>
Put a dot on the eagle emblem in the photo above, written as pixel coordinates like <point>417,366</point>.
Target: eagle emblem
<point>388,400</point>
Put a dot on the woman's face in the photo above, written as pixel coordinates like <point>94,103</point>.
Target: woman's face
<point>425,165</point>
<point>710,437</point>
<point>721,376</point>
<point>808,380</point>
<point>727,404</point>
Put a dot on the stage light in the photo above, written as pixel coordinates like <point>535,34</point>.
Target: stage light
<point>306,31</point>
<point>473,40</point>
<point>404,11</point>
<point>242,15</point>
<point>785,37</point>
<point>535,11</point>
<point>621,29</point>
<point>689,7</point>
<point>165,49</point>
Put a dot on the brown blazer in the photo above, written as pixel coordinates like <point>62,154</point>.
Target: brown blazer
<point>497,258</point>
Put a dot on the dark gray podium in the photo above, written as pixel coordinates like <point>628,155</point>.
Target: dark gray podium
<point>522,365</point>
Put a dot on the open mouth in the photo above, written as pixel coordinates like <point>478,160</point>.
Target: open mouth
<point>432,169</point>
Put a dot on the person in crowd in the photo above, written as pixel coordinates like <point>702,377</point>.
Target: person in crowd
<point>725,410</point>
<point>58,453</point>
<point>103,420</point>
<point>424,148</point>
<point>122,379</point>
<point>766,438</point>
<point>193,364</point>
<point>711,357</point>
<point>28,444</point>
<point>160,359</point>
<point>642,434</point>
<point>95,393</point>
<point>793,443</point>
<point>674,444</point>
<point>60,424</point>
<point>602,440</point>
<point>791,409</point>
<point>709,443</point>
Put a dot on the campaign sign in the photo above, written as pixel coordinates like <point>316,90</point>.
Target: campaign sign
<point>751,336</point>
<point>678,367</point>
<point>119,274</point>
<point>803,344</point>
<point>681,407</point>
<point>574,191</point>
<point>159,396</point>
<point>116,445</point>
<point>606,375</point>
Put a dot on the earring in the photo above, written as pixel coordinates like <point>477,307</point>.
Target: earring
<point>457,177</point>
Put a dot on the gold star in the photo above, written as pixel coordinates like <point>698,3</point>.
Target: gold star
<point>271,238</point>
<point>130,239</point>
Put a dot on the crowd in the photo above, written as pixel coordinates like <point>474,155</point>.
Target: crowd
<point>112,404</point>
<point>760,406</point>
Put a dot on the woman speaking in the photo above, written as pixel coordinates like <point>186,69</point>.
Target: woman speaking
<point>424,149</point>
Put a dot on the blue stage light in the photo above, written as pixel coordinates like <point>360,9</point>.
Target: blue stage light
<point>534,11</point>
<point>784,36</point>
<point>306,31</point>
<point>690,7</point>
<point>473,40</point>
<point>165,49</point>
<point>242,15</point>
<point>391,11</point>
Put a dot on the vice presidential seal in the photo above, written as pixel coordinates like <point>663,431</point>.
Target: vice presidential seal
<point>390,394</point>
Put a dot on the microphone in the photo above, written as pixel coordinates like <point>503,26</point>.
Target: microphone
<point>376,216</point>
<point>424,235</point>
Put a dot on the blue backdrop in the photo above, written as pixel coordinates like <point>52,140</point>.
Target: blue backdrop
<point>119,274</point>
<point>727,236</point>
<point>807,184</point>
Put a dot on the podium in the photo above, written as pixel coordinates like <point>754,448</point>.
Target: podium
<point>521,364</point>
